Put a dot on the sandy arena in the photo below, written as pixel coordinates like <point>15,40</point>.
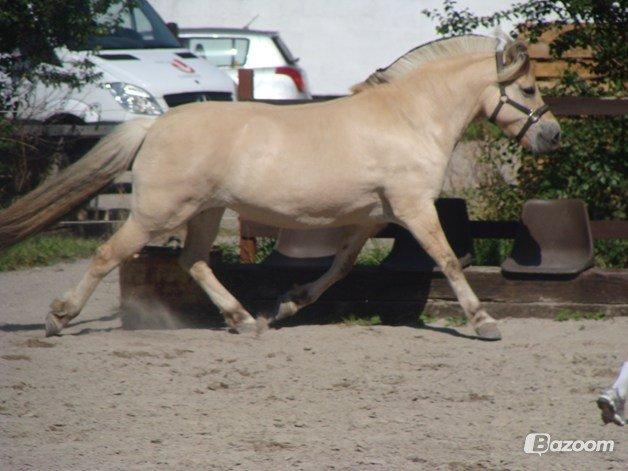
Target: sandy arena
<point>312,397</point>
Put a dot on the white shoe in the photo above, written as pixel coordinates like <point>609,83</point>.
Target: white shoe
<point>612,407</point>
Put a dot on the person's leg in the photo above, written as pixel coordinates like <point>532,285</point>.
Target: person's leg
<point>621,383</point>
<point>613,401</point>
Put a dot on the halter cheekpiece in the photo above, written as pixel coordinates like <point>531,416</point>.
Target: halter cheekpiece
<point>533,114</point>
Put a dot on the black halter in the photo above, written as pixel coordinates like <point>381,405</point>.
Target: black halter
<point>533,115</point>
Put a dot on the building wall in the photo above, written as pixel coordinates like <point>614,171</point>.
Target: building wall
<point>339,42</point>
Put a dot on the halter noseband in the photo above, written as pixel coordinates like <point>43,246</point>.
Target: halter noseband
<point>533,115</point>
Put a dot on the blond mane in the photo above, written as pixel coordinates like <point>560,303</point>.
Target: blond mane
<point>439,49</point>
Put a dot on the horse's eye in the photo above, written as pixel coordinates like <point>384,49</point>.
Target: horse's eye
<point>528,91</point>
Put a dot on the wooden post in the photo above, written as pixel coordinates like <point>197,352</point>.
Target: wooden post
<point>248,249</point>
<point>245,84</point>
<point>248,245</point>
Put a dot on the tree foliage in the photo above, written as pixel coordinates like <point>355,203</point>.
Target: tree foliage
<point>591,163</point>
<point>599,25</point>
<point>33,31</point>
<point>32,34</point>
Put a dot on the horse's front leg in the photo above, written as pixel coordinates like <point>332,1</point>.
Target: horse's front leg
<point>421,219</point>
<point>301,296</point>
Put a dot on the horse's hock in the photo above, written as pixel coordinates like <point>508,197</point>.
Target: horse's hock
<point>153,285</point>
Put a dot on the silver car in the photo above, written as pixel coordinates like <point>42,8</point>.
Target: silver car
<point>277,74</point>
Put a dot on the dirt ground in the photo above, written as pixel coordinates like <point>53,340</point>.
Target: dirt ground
<point>310,397</point>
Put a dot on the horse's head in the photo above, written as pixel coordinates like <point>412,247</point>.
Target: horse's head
<point>515,104</point>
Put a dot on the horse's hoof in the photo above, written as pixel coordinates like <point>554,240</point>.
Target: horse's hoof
<point>261,325</point>
<point>488,331</point>
<point>246,327</point>
<point>54,324</point>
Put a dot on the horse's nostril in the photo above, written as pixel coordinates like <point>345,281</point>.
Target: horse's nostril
<point>551,134</point>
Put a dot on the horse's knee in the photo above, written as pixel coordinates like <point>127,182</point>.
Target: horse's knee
<point>451,266</point>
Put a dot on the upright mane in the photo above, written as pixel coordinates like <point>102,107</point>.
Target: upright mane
<point>439,49</point>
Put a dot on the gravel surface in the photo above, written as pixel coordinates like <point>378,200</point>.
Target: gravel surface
<point>310,397</point>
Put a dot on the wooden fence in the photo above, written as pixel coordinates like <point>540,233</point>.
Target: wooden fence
<point>561,106</point>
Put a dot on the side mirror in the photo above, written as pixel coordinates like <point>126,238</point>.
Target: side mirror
<point>174,29</point>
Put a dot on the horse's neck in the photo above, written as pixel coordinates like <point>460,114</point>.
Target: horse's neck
<point>442,100</point>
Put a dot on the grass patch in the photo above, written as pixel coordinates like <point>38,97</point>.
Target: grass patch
<point>426,318</point>
<point>456,321</point>
<point>231,252</point>
<point>354,320</point>
<point>373,257</point>
<point>569,315</point>
<point>47,249</point>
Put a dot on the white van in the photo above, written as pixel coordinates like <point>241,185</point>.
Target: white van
<point>144,71</point>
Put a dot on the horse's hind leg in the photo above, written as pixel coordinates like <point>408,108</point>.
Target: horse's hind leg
<point>202,231</point>
<point>301,296</point>
<point>129,239</point>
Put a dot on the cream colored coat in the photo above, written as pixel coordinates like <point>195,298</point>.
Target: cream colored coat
<point>375,157</point>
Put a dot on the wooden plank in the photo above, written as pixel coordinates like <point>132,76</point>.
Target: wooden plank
<point>367,291</point>
<point>111,201</point>
<point>245,84</point>
<point>69,130</point>
<point>584,106</point>
<point>375,284</point>
<point>609,229</point>
<point>541,50</point>
<point>561,106</point>
<point>479,230</point>
<point>541,47</point>
<point>494,229</point>
<point>556,68</point>
<point>248,249</point>
<point>247,243</point>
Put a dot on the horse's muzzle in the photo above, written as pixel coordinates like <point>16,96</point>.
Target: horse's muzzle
<point>547,136</point>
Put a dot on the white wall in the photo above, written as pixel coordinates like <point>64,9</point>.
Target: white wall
<point>339,42</point>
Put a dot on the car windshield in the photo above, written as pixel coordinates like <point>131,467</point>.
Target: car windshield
<point>137,27</point>
<point>221,52</point>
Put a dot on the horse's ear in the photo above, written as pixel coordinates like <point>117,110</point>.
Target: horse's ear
<point>515,62</point>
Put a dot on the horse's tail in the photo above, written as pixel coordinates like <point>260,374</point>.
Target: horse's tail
<point>60,194</point>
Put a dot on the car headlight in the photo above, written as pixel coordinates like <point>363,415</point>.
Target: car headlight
<point>134,99</point>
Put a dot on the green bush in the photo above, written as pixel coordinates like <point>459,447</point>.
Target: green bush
<point>591,164</point>
<point>491,252</point>
<point>231,252</point>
